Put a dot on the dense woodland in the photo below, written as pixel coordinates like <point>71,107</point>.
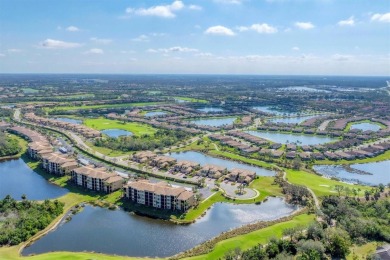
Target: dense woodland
<point>8,146</point>
<point>19,220</point>
<point>344,222</point>
<point>161,139</point>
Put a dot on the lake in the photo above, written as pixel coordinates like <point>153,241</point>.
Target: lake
<point>115,133</point>
<point>210,109</point>
<point>291,120</point>
<point>285,138</point>
<point>69,120</point>
<point>366,126</point>
<point>155,113</point>
<point>204,159</point>
<point>117,232</point>
<point>377,172</point>
<point>270,110</point>
<point>306,89</point>
<point>215,122</point>
<point>16,179</point>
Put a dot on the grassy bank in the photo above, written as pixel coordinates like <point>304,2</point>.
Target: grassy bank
<point>135,128</point>
<point>319,185</point>
<point>252,239</point>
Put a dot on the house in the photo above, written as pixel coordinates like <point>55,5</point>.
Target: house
<point>186,167</point>
<point>213,171</point>
<point>290,155</point>
<point>162,161</point>
<point>242,175</point>
<point>159,195</point>
<point>143,157</point>
<point>58,164</point>
<point>97,179</point>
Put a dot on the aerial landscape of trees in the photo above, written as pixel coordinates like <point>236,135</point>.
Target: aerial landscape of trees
<point>19,220</point>
<point>343,222</point>
<point>8,146</point>
<point>162,138</point>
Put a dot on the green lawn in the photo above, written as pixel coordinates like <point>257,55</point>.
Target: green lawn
<point>361,252</point>
<point>242,159</point>
<point>252,239</point>
<point>319,185</point>
<point>135,128</point>
<point>192,99</point>
<point>63,108</point>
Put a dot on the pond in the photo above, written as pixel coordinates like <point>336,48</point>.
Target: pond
<point>117,232</point>
<point>299,139</point>
<point>16,179</point>
<point>69,120</point>
<point>215,122</point>
<point>291,120</point>
<point>115,133</point>
<point>210,109</point>
<point>365,173</point>
<point>204,159</point>
<point>155,113</point>
<point>270,110</point>
<point>366,126</point>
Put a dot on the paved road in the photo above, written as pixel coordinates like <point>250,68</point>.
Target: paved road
<point>324,124</point>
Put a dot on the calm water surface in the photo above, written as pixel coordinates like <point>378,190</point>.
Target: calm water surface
<point>210,109</point>
<point>16,179</point>
<point>216,122</point>
<point>378,172</point>
<point>69,120</point>
<point>299,139</point>
<point>117,232</point>
<point>203,159</point>
<point>155,113</point>
<point>270,110</point>
<point>366,126</point>
<point>291,120</point>
<point>116,132</point>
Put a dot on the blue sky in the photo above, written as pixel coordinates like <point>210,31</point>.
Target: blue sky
<point>305,37</point>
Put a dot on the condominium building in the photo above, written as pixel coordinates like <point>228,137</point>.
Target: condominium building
<point>159,195</point>
<point>58,164</point>
<point>98,179</point>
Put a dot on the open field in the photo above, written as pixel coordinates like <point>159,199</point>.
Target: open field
<point>65,108</point>
<point>192,99</point>
<point>361,252</point>
<point>252,239</point>
<point>319,185</point>
<point>135,128</point>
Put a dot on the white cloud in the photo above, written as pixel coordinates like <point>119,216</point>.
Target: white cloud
<point>204,54</point>
<point>14,50</point>
<point>381,17</point>
<point>56,44</point>
<point>2,55</point>
<point>72,29</point>
<point>349,22</point>
<point>219,30</point>
<point>195,7</point>
<point>340,57</point>
<point>295,48</point>
<point>173,49</point>
<point>141,38</point>
<point>94,51</point>
<point>231,2</point>
<point>100,41</point>
<point>304,25</point>
<point>165,11</point>
<point>260,28</point>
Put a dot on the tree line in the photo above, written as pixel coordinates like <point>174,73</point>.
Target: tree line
<point>8,146</point>
<point>162,138</point>
<point>20,220</point>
